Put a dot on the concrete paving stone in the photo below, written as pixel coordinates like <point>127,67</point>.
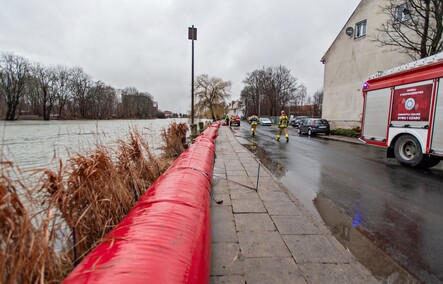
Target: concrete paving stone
<point>228,279</point>
<point>219,172</point>
<point>225,259</point>
<point>273,195</point>
<point>239,173</point>
<point>250,222</point>
<point>282,208</point>
<point>268,180</point>
<point>295,225</point>
<point>272,270</point>
<point>221,197</point>
<point>233,186</point>
<point>335,273</point>
<point>243,180</point>
<point>234,165</point>
<point>262,244</point>
<point>219,181</point>
<point>248,206</point>
<point>313,248</point>
<point>267,186</point>
<point>252,172</point>
<point>223,226</point>
<point>250,163</point>
<point>230,158</point>
<point>245,193</point>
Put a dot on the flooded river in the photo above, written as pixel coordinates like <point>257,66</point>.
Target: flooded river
<point>33,144</point>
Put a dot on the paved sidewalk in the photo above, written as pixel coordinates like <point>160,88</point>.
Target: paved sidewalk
<point>268,236</point>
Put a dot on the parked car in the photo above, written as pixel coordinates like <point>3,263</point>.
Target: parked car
<point>265,121</point>
<point>295,122</point>
<point>312,126</point>
<point>235,120</point>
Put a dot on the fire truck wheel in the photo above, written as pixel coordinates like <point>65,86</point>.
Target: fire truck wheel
<point>407,151</point>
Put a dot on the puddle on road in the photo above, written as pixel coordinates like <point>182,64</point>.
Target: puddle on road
<point>276,168</point>
<point>346,231</point>
<point>351,236</point>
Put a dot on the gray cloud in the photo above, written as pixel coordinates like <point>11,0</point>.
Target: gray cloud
<point>144,44</point>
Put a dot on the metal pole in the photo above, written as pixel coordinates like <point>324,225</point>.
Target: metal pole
<point>192,79</point>
<point>258,177</point>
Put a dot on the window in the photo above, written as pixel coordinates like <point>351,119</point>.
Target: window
<point>403,12</point>
<point>360,29</point>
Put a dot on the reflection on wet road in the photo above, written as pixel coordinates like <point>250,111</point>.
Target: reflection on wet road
<point>398,209</point>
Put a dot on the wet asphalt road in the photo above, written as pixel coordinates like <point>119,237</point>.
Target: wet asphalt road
<point>398,209</point>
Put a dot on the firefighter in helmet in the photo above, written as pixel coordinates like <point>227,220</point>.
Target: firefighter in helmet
<point>254,122</point>
<point>282,126</point>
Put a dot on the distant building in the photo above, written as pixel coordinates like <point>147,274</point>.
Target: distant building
<point>236,108</point>
<point>351,60</point>
<point>168,114</point>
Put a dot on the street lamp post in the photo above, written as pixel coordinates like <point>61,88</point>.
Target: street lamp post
<point>192,35</point>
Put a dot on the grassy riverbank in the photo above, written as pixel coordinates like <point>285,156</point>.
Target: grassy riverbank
<point>46,228</point>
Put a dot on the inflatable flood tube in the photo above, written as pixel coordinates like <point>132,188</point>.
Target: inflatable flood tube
<point>166,236</point>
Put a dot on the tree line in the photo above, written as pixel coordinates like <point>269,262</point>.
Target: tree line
<point>266,91</point>
<point>269,90</point>
<point>30,89</point>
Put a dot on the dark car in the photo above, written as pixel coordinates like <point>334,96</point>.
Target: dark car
<point>312,126</point>
<point>235,120</point>
<point>298,120</point>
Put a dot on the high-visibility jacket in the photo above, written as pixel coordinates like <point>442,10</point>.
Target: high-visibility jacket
<point>254,119</point>
<point>284,121</point>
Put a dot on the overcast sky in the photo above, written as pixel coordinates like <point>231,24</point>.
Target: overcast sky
<point>144,43</point>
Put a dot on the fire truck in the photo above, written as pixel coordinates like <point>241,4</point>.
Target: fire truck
<point>403,111</point>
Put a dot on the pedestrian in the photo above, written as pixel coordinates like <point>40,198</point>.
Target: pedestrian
<point>282,126</point>
<point>227,119</point>
<point>254,122</point>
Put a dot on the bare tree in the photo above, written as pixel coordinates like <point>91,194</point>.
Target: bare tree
<point>14,73</point>
<point>43,86</point>
<point>269,90</point>
<point>80,83</point>
<point>413,27</point>
<point>211,93</point>
<point>317,100</point>
<point>63,92</point>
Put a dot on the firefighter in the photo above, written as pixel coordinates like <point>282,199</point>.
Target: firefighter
<point>254,122</point>
<point>227,119</point>
<point>282,126</point>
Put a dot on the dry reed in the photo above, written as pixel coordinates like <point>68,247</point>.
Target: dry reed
<point>87,196</point>
<point>27,252</point>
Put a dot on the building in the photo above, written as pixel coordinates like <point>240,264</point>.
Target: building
<point>236,108</point>
<point>350,60</point>
<point>168,114</point>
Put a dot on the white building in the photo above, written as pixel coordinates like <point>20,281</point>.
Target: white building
<point>236,108</point>
<point>350,60</point>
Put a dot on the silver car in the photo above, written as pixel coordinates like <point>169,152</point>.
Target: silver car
<point>265,121</point>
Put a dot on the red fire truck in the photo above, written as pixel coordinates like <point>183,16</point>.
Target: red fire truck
<point>403,111</point>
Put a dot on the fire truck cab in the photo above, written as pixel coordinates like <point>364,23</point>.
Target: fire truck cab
<point>403,111</point>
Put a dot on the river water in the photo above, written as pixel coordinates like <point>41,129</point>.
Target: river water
<point>34,144</point>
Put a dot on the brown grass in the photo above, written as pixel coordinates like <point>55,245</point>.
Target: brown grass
<point>27,252</point>
<point>88,195</point>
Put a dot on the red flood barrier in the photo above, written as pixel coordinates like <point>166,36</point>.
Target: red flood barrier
<point>166,236</point>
